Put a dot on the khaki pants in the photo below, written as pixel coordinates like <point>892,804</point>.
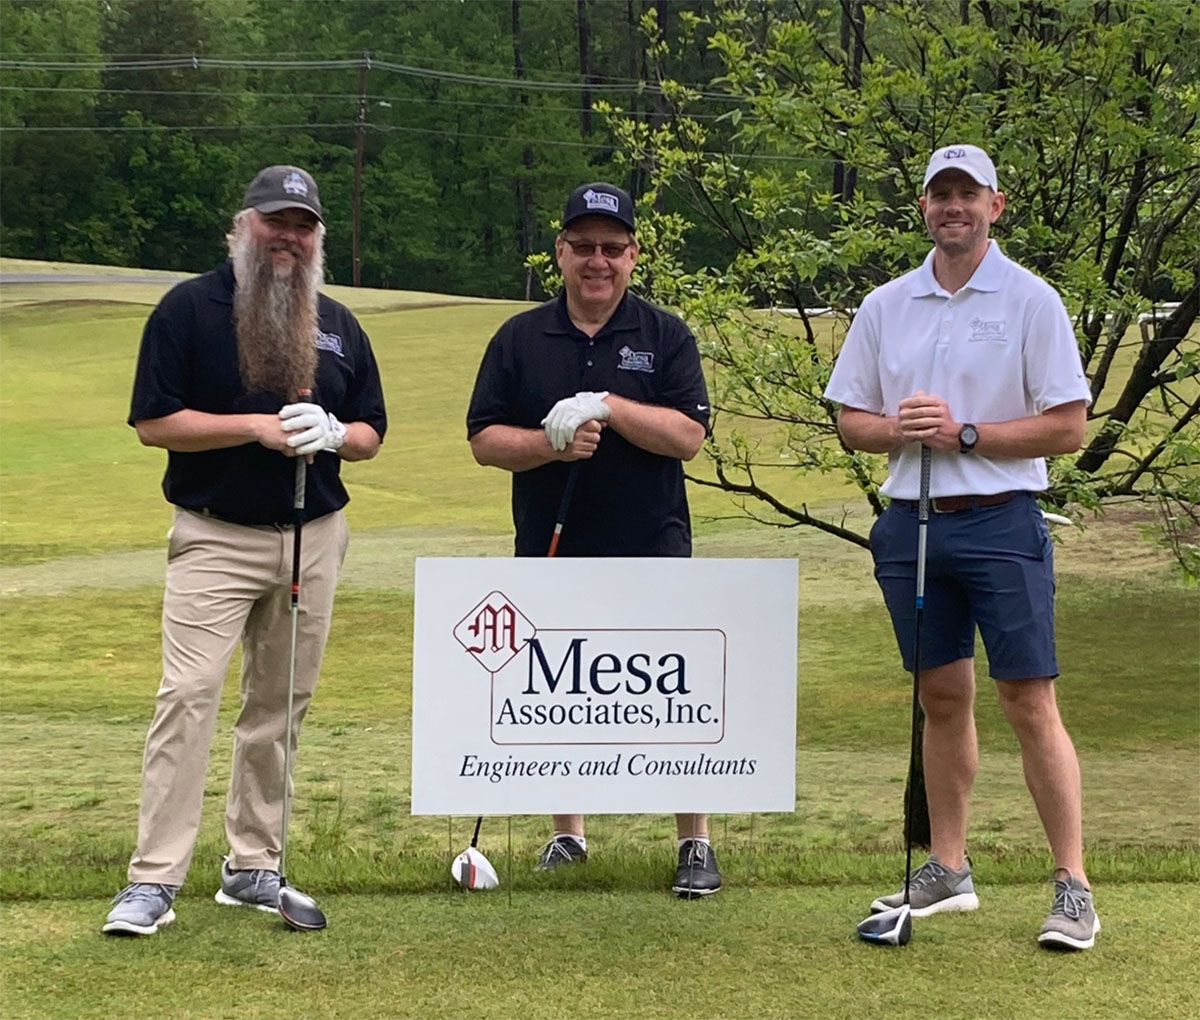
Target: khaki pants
<point>225,583</point>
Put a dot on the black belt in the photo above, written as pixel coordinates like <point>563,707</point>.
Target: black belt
<point>956,504</point>
<point>204,511</point>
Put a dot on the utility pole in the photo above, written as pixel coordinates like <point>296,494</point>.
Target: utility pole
<point>360,136</point>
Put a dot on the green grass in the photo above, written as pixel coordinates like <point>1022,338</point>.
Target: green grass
<point>785,953</point>
<point>82,523</point>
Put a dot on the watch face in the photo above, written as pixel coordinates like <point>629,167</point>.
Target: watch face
<point>968,437</point>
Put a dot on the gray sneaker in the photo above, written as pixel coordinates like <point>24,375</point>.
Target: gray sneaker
<point>1072,923</point>
<point>257,888</point>
<point>141,908</point>
<point>933,888</point>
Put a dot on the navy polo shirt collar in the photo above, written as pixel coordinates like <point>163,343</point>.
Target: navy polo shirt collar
<point>623,319</point>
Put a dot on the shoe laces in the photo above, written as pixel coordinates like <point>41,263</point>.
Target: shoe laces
<point>927,873</point>
<point>1068,901</point>
<point>696,854</point>
<point>263,876</point>
<point>556,849</point>
<point>138,891</point>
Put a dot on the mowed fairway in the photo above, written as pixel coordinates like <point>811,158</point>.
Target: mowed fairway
<point>82,525</point>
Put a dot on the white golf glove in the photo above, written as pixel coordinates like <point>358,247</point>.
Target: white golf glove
<point>318,430</point>
<point>571,412</point>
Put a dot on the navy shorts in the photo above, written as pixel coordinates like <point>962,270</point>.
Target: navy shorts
<point>991,567</point>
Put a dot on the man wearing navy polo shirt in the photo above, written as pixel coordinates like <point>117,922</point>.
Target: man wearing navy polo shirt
<point>974,357</point>
<point>601,376</point>
<point>240,371</point>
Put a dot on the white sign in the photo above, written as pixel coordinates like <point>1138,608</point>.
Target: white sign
<point>564,686</point>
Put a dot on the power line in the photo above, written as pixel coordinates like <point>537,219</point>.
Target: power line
<point>350,126</point>
<point>196,63</point>
<point>353,97</point>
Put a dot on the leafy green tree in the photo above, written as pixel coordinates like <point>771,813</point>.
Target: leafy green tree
<point>58,185</point>
<point>1090,113</point>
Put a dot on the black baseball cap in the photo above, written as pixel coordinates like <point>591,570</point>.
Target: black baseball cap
<point>283,187</point>
<point>599,199</point>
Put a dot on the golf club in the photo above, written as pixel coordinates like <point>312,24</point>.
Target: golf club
<point>564,504</point>
<point>298,910</point>
<point>471,869</point>
<point>894,927</point>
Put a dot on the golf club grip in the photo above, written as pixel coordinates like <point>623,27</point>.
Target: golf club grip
<point>564,505</point>
<point>303,395</point>
<point>923,492</point>
<point>922,523</point>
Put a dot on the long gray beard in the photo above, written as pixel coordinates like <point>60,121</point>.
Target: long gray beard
<point>275,320</point>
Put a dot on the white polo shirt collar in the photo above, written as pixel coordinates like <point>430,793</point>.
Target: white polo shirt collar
<point>988,275</point>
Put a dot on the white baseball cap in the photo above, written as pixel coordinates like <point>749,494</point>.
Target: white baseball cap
<point>970,159</point>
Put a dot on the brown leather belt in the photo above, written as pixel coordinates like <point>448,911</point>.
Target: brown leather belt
<point>956,504</point>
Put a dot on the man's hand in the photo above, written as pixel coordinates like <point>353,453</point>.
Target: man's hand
<point>571,412</point>
<point>318,430</point>
<point>925,418</point>
<point>583,444</point>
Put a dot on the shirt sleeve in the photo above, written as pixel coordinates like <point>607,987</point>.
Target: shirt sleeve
<point>492,397</point>
<point>1050,356</point>
<point>684,388</point>
<point>364,394</point>
<point>159,382</point>
<point>855,381</point>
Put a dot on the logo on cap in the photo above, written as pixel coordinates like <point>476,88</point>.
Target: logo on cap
<point>601,200</point>
<point>294,184</point>
<point>954,153</point>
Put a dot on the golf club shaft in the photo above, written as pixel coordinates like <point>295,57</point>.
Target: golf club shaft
<point>922,528</point>
<point>298,496</point>
<point>564,505</point>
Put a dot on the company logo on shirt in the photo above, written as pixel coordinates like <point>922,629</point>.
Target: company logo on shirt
<point>636,361</point>
<point>330,342</point>
<point>987,329</point>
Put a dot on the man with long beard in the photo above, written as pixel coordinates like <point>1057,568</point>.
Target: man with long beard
<point>242,370</point>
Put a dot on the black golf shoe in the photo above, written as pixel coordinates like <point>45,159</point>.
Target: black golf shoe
<point>697,874</point>
<point>559,851</point>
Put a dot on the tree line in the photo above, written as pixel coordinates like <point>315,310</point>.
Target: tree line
<point>775,149</point>
<point>129,128</point>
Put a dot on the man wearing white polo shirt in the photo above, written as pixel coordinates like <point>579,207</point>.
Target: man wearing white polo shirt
<point>974,357</point>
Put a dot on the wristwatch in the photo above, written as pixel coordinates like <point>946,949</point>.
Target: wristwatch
<point>968,436</point>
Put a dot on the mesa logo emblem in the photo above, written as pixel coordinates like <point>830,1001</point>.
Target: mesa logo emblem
<point>600,200</point>
<point>954,153</point>
<point>614,685</point>
<point>294,184</point>
<point>636,361</point>
<point>494,631</point>
<point>330,342</point>
<point>987,329</point>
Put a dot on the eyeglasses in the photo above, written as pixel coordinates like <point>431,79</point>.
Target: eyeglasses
<point>609,249</point>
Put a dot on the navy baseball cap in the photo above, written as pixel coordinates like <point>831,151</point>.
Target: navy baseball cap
<point>599,199</point>
<point>283,187</point>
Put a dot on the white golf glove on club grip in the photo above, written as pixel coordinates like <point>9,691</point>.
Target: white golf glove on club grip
<point>571,412</point>
<point>318,429</point>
